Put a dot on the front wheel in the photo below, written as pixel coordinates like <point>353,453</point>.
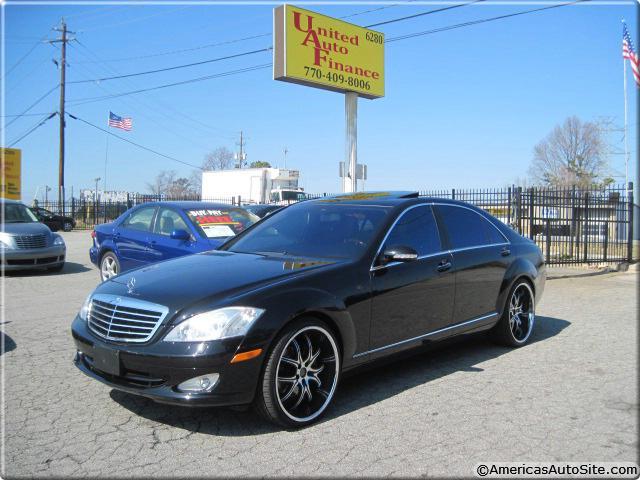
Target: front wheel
<point>300,376</point>
<point>516,324</point>
<point>109,266</point>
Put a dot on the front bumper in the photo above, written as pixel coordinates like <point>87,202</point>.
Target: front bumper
<point>155,370</point>
<point>33,258</point>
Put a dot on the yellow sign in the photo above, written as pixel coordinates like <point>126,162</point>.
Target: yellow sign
<point>320,51</point>
<point>11,173</point>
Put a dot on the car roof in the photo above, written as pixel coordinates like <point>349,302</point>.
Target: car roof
<point>388,199</point>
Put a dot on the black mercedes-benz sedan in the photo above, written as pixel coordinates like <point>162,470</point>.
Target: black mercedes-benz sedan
<point>282,310</point>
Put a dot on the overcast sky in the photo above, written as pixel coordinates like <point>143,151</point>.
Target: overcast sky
<point>463,108</point>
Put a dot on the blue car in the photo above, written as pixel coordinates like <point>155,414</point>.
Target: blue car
<point>157,231</point>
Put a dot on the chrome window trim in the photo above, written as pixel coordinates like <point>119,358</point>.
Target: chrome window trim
<point>373,267</point>
<point>129,303</point>
<point>419,337</point>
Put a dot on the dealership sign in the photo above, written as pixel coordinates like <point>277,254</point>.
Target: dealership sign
<point>11,173</point>
<point>320,51</point>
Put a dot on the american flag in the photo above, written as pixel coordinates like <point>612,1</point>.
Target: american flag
<point>629,53</point>
<point>120,122</point>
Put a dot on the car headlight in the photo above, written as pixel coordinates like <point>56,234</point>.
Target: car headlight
<point>5,242</point>
<point>85,309</point>
<point>215,325</point>
<point>58,240</point>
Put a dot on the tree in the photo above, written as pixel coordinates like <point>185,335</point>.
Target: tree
<point>260,165</point>
<point>168,183</point>
<point>574,153</point>
<point>220,159</point>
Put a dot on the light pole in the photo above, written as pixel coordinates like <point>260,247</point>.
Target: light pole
<point>95,200</point>
<point>47,189</point>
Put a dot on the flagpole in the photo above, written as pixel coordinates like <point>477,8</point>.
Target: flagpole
<point>626,142</point>
<point>106,157</point>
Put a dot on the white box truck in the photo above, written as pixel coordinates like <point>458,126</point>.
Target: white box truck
<point>253,185</point>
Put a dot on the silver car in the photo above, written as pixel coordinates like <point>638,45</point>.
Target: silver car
<point>25,243</point>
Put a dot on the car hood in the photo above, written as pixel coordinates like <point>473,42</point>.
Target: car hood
<point>212,276</point>
<point>32,228</point>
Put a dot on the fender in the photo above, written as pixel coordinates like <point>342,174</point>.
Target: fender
<point>521,267</point>
<point>283,308</point>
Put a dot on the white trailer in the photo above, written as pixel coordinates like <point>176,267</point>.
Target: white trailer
<point>253,185</point>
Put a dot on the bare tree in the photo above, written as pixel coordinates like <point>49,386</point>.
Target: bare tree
<point>574,153</point>
<point>168,183</point>
<point>220,159</point>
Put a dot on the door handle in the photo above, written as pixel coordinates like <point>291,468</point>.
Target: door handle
<point>444,265</point>
<point>505,252</point>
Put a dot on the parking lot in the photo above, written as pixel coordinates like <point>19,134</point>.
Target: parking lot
<point>570,395</point>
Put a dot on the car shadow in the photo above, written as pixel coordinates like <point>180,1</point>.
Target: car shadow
<point>69,268</point>
<point>6,343</point>
<point>419,367</point>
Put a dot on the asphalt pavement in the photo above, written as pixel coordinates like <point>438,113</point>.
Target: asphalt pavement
<point>570,395</point>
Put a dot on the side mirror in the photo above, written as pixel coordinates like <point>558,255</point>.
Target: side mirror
<point>398,253</point>
<point>180,234</point>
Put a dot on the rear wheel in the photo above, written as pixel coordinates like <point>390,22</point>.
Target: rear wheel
<point>109,266</point>
<point>67,226</point>
<point>300,376</point>
<point>518,318</point>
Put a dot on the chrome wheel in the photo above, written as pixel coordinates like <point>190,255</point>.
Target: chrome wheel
<point>521,312</point>
<point>307,373</point>
<point>67,227</point>
<point>108,267</point>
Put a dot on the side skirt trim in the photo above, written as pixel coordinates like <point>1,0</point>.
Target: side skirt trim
<point>426,335</point>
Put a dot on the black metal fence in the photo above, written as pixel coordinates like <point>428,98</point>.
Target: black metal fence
<point>570,225</point>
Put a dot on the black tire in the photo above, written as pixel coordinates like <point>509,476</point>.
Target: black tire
<point>67,226</point>
<point>57,268</point>
<point>304,402</point>
<point>109,258</point>
<point>518,317</point>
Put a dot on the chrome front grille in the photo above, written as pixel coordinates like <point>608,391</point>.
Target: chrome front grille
<point>30,241</point>
<point>124,319</point>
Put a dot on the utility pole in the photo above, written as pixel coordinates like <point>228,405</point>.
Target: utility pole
<point>63,67</point>
<point>241,155</point>
<point>285,157</point>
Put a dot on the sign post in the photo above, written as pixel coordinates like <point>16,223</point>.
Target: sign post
<point>323,52</point>
<point>11,171</point>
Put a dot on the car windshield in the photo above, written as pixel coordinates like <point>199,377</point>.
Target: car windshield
<point>18,213</point>
<point>314,230</point>
<point>220,222</point>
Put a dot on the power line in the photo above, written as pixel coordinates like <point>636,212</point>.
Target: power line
<point>34,128</point>
<point>392,39</point>
<point>27,115</point>
<point>39,42</point>
<point>437,10</point>
<point>184,50</point>
<point>133,143</point>
<point>81,101</point>
<point>476,22</point>
<point>176,67</point>
<point>33,105</point>
<point>164,107</point>
<point>232,41</point>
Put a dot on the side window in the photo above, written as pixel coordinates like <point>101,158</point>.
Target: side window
<point>492,233</point>
<point>466,228</point>
<point>140,219</point>
<point>168,221</point>
<point>416,229</point>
